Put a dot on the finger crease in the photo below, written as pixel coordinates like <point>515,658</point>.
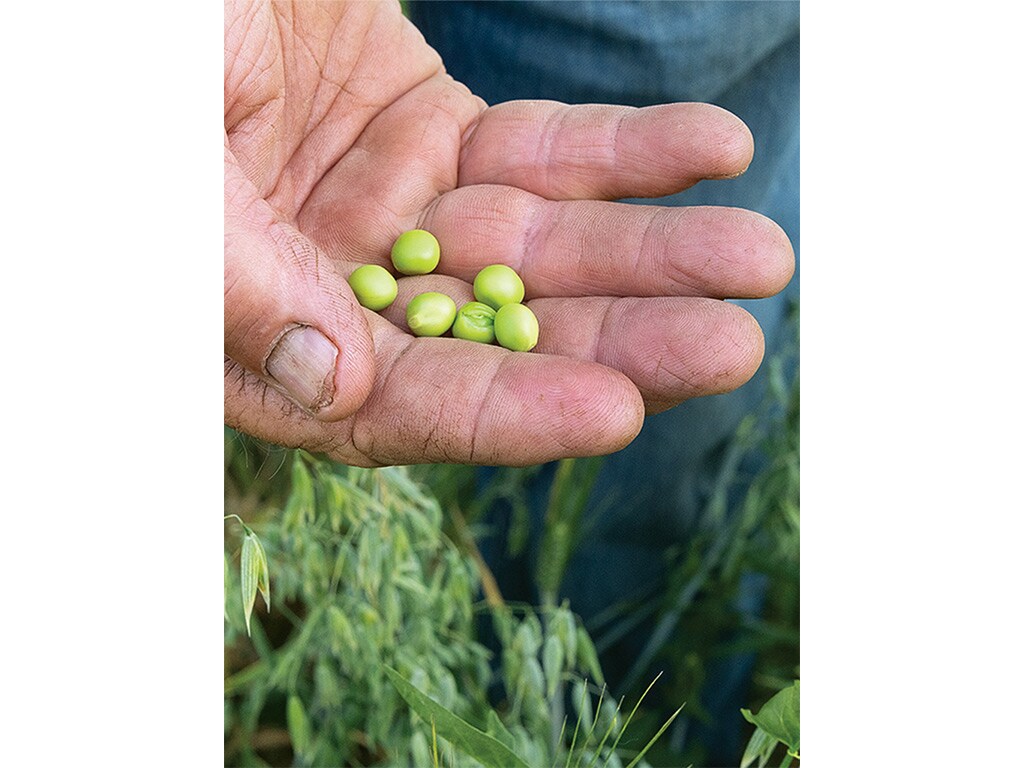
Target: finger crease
<point>379,389</point>
<point>644,252</point>
<point>595,352</point>
<point>483,406</point>
<point>536,222</point>
<point>549,135</point>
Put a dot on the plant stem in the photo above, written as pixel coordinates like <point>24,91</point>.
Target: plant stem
<point>547,602</point>
<point>786,761</point>
<point>492,594</point>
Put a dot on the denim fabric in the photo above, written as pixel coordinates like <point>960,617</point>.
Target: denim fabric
<point>743,56</point>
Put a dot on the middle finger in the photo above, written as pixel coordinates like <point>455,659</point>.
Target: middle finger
<point>598,248</point>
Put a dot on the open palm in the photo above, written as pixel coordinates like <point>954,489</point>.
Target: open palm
<point>343,130</point>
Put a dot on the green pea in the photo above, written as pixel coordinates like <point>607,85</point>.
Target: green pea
<point>430,314</point>
<point>516,328</point>
<point>498,285</point>
<point>474,322</point>
<point>415,252</point>
<point>375,288</point>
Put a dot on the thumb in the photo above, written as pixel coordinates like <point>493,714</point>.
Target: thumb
<point>289,317</point>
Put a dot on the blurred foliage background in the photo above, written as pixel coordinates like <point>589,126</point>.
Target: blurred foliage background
<point>383,568</point>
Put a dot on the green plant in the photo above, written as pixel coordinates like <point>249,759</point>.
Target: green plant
<point>748,534</point>
<point>777,722</point>
<point>379,568</point>
<point>366,581</point>
<point>363,577</point>
<point>255,573</point>
<point>496,747</point>
<point>752,527</point>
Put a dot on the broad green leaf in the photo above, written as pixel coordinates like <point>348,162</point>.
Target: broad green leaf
<point>780,716</point>
<point>759,748</point>
<point>480,746</point>
<point>497,729</point>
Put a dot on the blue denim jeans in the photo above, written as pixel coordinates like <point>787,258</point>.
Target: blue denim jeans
<point>743,56</point>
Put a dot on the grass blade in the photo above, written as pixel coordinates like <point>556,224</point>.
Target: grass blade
<point>607,733</point>
<point>593,725</point>
<point>480,746</point>
<point>655,737</point>
<point>635,708</point>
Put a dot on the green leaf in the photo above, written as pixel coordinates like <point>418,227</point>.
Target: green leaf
<point>570,490</point>
<point>780,716</point>
<point>529,636</point>
<point>227,578</point>
<point>636,706</point>
<point>532,681</point>
<point>255,574</point>
<point>482,747</point>
<point>298,726</point>
<point>497,729</point>
<point>587,655</point>
<point>760,748</point>
<point>554,655</point>
<point>584,707</point>
<point>420,750</point>
<point>341,635</point>
<point>654,738</point>
<point>565,627</point>
<point>519,527</point>
<point>301,504</point>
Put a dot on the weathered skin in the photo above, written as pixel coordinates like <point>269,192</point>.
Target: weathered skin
<point>342,130</point>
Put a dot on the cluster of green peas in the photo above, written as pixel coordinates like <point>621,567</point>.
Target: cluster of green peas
<point>498,313</point>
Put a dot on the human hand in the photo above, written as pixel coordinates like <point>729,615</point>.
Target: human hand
<point>342,131</point>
